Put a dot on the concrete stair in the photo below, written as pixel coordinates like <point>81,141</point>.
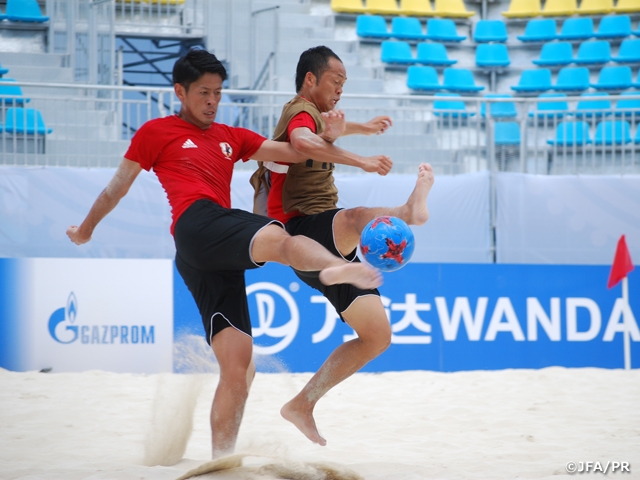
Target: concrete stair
<point>37,67</point>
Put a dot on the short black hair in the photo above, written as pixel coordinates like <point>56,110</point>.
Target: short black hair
<point>195,63</point>
<point>314,60</point>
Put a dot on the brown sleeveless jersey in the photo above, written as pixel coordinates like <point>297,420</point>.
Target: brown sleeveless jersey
<point>309,187</point>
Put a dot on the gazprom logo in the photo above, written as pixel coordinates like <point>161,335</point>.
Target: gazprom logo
<point>65,316</point>
<point>62,329</point>
<point>278,317</point>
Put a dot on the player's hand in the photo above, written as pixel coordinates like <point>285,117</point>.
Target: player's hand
<point>380,164</point>
<point>76,237</point>
<point>334,125</point>
<point>378,125</point>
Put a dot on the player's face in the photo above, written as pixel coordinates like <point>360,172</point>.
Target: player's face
<point>326,92</point>
<point>200,102</point>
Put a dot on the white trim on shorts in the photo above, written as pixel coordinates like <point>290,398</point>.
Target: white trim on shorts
<point>254,237</point>
<point>333,235</point>
<point>353,301</point>
<point>230,324</point>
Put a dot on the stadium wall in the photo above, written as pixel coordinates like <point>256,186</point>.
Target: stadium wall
<point>117,303</point>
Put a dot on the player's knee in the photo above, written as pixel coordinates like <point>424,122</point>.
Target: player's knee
<point>383,340</point>
<point>271,244</point>
<point>352,215</point>
<point>377,340</point>
<point>238,374</point>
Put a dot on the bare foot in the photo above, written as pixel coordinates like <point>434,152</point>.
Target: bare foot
<point>417,211</point>
<point>358,274</point>
<point>303,422</point>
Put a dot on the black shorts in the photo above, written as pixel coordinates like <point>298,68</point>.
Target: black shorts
<point>213,249</point>
<point>319,227</point>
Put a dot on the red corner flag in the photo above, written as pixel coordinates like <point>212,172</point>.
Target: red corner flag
<point>621,263</point>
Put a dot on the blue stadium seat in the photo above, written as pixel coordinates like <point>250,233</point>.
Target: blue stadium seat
<point>637,137</point>
<point>628,106</point>
<point>492,55</point>
<point>609,132</point>
<point>443,30</point>
<point>572,79</point>
<point>506,133</point>
<point>577,29</point>
<point>423,78</point>
<point>11,94</point>
<point>590,108</point>
<point>407,28</point>
<point>460,80</point>
<point>557,109</point>
<point>499,109</point>
<point>571,133</point>
<point>537,80</point>
<point>615,26</point>
<point>450,108</point>
<point>433,54</point>
<point>614,78</point>
<point>594,52</point>
<point>539,31</point>
<point>490,31</point>
<point>636,84</point>
<point>24,11</point>
<point>396,52</point>
<point>372,26</point>
<point>3,71</point>
<point>629,52</point>
<point>555,53</point>
<point>25,120</point>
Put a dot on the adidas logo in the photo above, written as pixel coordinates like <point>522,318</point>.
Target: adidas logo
<point>189,144</point>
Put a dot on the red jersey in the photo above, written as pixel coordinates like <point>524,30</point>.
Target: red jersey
<point>274,201</point>
<point>192,163</point>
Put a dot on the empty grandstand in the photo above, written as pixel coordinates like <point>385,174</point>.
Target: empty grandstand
<point>80,76</point>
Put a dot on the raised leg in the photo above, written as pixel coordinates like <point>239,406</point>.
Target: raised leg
<point>273,244</point>
<point>349,223</point>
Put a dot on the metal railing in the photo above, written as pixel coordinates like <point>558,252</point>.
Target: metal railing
<point>264,39</point>
<point>83,31</point>
<point>92,126</point>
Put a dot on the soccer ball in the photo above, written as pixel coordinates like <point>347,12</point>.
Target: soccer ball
<point>387,243</point>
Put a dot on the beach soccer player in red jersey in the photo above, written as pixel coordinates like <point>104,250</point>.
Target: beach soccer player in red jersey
<point>193,157</point>
<point>304,197</point>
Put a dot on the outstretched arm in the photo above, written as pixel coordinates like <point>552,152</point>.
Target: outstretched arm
<point>375,126</point>
<point>320,150</point>
<point>312,146</point>
<point>107,200</point>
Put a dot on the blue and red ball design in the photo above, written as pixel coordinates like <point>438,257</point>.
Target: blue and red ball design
<point>387,243</point>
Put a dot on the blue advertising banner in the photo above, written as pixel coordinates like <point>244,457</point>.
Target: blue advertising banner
<point>447,317</point>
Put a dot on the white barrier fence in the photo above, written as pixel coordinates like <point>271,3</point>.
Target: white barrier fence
<point>549,219</point>
<point>91,125</point>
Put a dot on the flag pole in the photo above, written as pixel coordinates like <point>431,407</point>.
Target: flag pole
<point>627,322</point>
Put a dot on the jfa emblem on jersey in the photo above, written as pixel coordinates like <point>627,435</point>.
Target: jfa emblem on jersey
<point>227,151</point>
